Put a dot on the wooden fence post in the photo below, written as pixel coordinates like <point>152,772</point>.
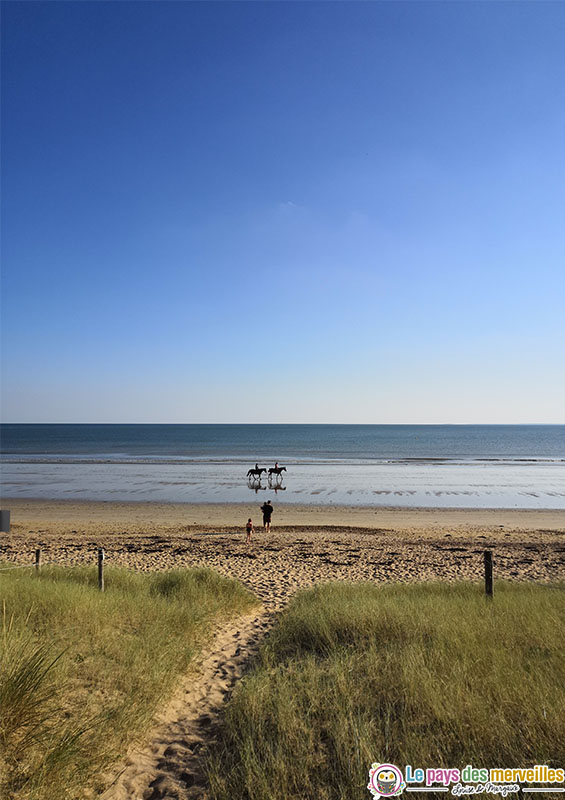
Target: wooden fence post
<point>101,569</point>
<point>488,573</point>
<point>37,559</point>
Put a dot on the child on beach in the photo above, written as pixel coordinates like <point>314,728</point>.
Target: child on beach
<point>249,528</point>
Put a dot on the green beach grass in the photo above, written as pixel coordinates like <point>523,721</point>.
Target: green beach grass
<point>429,675</point>
<point>83,672</point>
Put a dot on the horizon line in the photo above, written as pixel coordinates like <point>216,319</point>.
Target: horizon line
<point>429,424</point>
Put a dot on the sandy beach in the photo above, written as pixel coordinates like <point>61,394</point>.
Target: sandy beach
<point>306,544</point>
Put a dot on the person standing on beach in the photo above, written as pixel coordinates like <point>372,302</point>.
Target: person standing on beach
<point>249,528</point>
<point>267,510</point>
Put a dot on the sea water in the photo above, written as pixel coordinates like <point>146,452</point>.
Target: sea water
<point>481,466</point>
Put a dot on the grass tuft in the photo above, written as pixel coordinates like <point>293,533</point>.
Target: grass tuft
<point>82,673</point>
<point>430,675</point>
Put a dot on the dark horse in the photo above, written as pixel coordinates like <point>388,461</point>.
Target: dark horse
<point>277,470</point>
<point>256,473</point>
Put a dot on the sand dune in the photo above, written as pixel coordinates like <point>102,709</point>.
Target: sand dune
<point>306,546</point>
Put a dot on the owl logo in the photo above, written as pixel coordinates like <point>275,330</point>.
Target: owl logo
<point>385,780</point>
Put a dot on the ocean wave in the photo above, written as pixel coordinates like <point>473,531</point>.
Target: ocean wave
<point>12,458</point>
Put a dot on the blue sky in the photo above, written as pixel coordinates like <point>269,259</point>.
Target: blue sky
<point>283,212</point>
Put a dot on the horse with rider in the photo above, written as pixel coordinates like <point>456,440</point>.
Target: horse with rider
<point>257,471</point>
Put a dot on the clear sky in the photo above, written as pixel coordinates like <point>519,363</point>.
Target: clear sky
<point>283,212</point>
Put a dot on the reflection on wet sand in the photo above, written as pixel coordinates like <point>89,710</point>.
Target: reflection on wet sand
<point>255,484</point>
<point>276,482</point>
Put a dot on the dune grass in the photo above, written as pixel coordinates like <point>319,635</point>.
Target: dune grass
<point>83,672</point>
<point>429,675</point>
